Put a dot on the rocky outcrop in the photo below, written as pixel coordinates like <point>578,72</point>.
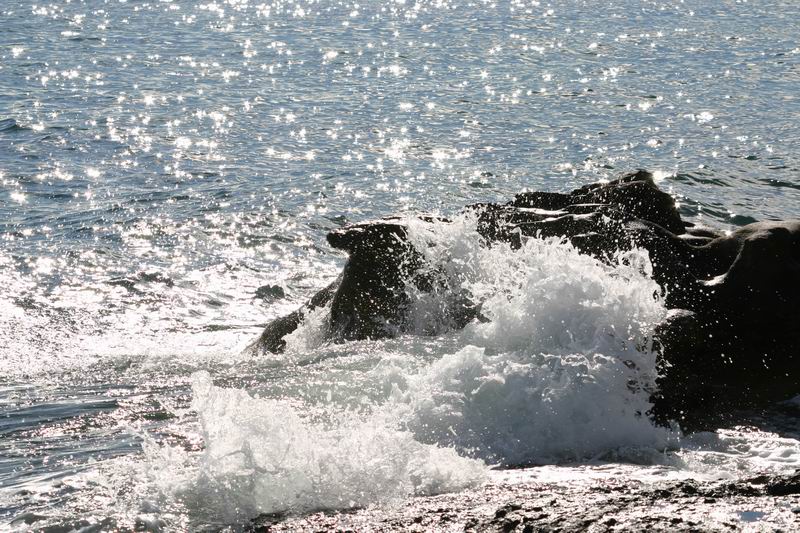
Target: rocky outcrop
<point>733,339</point>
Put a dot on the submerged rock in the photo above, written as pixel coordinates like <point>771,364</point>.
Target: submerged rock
<point>732,340</point>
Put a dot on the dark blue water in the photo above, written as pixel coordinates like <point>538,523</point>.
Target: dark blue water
<point>169,171</point>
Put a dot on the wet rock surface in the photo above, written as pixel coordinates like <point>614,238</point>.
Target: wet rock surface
<point>605,503</point>
<point>732,340</point>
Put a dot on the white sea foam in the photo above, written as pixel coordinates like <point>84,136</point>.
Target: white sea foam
<point>738,452</point>
<point>262,456</point>
<point>562,366</point>
<point>310,334</point>
<point>558,368</point>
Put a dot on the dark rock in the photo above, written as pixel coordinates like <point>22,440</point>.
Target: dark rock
<point>784,486</point>
<point>371,295</point>
<point>741,345</point>
<point>732,340</point>
<point>271,339</point>
<point>156,277</point>
<point>270,292</point>
<point>508,508</point>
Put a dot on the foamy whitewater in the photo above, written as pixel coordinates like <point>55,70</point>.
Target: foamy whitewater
<point>169,172</point>
<point>560,369</point>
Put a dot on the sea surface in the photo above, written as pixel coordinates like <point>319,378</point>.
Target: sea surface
<point>169,171</point>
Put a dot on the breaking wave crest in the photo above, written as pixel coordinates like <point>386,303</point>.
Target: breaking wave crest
<point>261,456</point>
<point>559,366</point>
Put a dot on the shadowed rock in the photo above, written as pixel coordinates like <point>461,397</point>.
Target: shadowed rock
<point>732,341</point>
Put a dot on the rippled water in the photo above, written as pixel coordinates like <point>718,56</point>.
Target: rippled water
<point>169,171</point>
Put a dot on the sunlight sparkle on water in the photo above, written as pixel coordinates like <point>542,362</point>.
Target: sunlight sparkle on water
<point>19,197</point>
<point>170,171</point>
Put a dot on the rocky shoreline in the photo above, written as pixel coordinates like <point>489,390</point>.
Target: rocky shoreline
<point>597,498</point>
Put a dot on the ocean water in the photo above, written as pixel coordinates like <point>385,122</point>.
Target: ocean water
<point>169,171</point>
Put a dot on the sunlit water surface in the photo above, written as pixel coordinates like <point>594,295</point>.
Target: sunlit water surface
<point>169,171</point>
